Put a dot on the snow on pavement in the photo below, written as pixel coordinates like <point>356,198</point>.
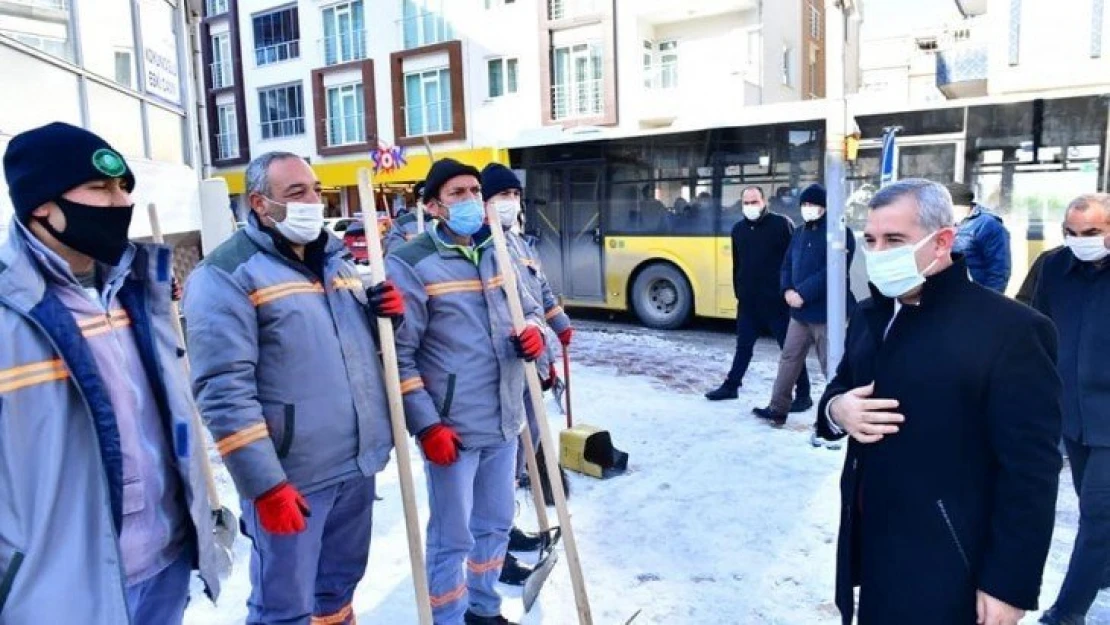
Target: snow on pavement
<point>720,519</point>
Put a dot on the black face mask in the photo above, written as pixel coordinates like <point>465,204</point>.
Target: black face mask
<point>99,232</point>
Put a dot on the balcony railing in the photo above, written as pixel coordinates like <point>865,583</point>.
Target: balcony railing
<point>227,145</point>
<point>425,29</point>
<point>559,9</point>
<point>577,99</point>
<point>344,47</point>
<point>57,5</point>
<point>283,128</point>
<point>277,52</point>
<point>346,130</point>
<point>432,118</point>
<point>222,75</point>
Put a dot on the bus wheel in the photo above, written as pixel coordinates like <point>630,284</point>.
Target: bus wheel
<point>661,297</point>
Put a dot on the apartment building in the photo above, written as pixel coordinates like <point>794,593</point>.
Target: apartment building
<point>121,68</point>
<point>352,83</point>
<point>994,48</point>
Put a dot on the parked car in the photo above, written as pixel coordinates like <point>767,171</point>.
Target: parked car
<point>339,225</point>
<point>354,237</point>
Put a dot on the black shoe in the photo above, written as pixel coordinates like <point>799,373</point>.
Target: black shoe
<point>520,540</point>
<point>514,572</point>
<point>776,419</point>
<point>474,619</point>
<point>1052,616</point>
<point>801,404</point>
<point>724,391</point>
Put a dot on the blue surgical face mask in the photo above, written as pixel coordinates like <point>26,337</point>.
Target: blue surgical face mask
<point>465,218</point>
<point>894,272</point>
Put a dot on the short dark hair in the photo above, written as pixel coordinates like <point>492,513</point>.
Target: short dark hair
<point>756,187</point>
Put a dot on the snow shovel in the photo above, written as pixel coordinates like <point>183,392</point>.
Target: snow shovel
<point>224,526</point>
<point>516,309</point>
<point>396,407</point>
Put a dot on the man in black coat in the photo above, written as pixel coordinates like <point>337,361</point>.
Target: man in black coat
<point>1073,289</point>
<point>759,243</point>
<point>951,396</point>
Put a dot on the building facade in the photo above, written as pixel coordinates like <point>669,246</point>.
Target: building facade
<point>121,68</point>
<point>391,83</point>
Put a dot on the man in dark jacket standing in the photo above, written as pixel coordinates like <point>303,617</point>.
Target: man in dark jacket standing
<point>759,244</point>
<point>802,283</point>
<point>948,504</point>
<point>982,239</point>
<point>1073,289</point>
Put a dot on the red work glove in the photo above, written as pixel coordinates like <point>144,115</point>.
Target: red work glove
<point>386,300</point>
<point>552,375</point>
<point>529,343</point>
<point>282,510</point>
<point>441,444</point>
<point>565,336</point>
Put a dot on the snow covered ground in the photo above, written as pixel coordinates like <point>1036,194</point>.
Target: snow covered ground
<point>720,519</point>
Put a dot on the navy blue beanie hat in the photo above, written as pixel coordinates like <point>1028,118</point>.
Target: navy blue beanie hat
<point>45,162</point>
<point>813,194</point>
<point>443,170</point>
<point>497,178</point>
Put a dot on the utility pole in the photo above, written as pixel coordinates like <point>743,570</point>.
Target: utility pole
<point>836,126</point>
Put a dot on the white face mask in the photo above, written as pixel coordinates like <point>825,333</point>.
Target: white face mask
<point>1088,249</point>
<point>752,213</point>
<point>894,272</point>
<point>812,212</point>
<point>507,211</point>
<point>303,222</point>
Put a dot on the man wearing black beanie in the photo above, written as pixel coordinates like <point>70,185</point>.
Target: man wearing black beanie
<point>100,478</point>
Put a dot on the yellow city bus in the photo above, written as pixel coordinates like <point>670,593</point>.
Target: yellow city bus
<point>641,223</point>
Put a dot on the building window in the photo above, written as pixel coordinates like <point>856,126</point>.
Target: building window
<point>281,110</point>
<point>125,64</point>
<point>215,7</point>
<point>1015,31</point>
<point>423,23</point>
<point>491,4</point>
<point>559,9</point>
<point>576,85</point>
<point>814,57</point>
<point>344,33</point>
<point>346,117</point>
<point>427,103</point>
<point>502,77</point>
<point>660,65</point>
<point>222,76</point>
<point>814,22</point>
<point>227,135</point>
<point>277,36</point>
<point>787,75</point>
<point>1096,28</point>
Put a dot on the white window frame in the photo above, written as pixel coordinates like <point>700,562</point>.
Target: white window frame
<point>290,48</point>
<point>227,132</point>
<point>357,38</point>
<point>786,70</point>
<point>510,65</point>
<point>442,76</point>
<point>580,98</point>
<point>222,74</point>
<point>354,91</point>
<point>426,10</point>
<point>562,9</point>
<point>278,127</point>
<point>215,7</point>
<point>814,21</point>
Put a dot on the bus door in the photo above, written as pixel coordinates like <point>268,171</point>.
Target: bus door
<point>564,213</point>
<point>939,158</point>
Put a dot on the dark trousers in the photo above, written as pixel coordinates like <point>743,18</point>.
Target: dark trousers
<point>750,325</point>
<point>1090,471</point>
